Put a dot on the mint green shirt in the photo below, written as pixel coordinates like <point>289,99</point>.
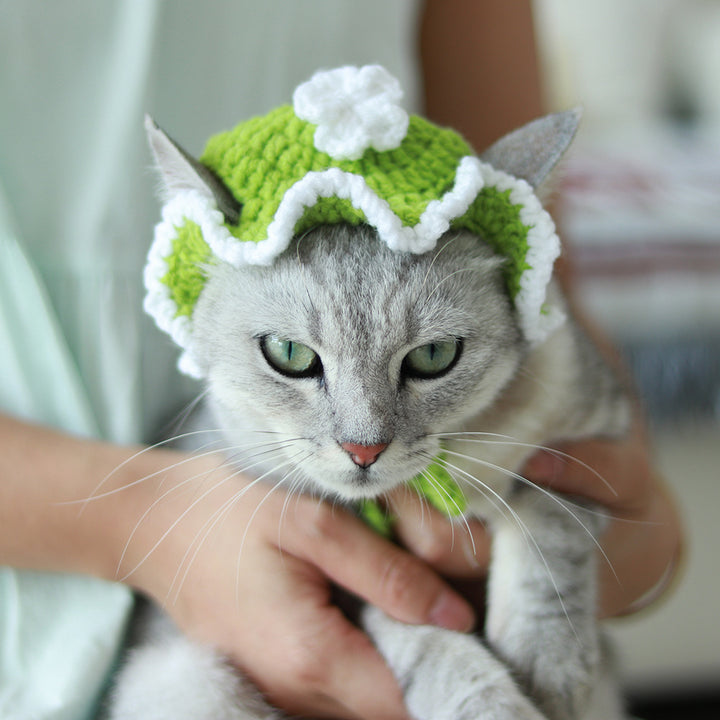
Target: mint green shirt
<point>76,217</point>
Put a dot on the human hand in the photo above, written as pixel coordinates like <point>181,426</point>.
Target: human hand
<point>258,587</point>
<point>641,545</point>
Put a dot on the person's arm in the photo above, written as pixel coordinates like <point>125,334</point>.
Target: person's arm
<point>258,587</point>
<point>480,67</point>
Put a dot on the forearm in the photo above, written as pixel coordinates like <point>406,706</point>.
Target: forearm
<point>43,475</point>
<point>480,66</point>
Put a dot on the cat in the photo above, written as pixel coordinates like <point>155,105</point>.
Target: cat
<point>372,362</point>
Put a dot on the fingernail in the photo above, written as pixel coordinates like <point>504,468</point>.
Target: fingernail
<point>452,613</point>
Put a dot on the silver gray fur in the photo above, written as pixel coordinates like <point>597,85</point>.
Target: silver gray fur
<point>362,308</point>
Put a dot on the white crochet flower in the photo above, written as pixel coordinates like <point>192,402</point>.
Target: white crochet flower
<point>354,109</point>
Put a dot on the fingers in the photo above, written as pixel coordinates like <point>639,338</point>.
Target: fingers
<point>615,474</point>
<point>457,548</point>
<point>371,567</point>
<point>299,649</point>
<point>642,544</point>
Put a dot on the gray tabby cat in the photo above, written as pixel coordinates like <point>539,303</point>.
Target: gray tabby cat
<point>393,355</point>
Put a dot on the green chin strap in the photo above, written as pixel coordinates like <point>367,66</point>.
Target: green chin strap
<point>434,484</point>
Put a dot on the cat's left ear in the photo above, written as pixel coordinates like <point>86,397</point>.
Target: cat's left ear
<point>181,171</point>
<point>532,151</point>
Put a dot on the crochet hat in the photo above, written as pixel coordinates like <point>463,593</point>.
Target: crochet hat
<point>345,151</point>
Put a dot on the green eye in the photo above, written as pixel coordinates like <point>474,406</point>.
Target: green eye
<point>290,358</point>
<point>432,360</point>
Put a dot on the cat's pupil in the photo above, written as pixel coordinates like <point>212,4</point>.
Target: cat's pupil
<point>432,360</point>
<point>289,357</point>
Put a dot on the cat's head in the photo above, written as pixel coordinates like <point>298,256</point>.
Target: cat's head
<point>354,301</point>
<point>352,357</point>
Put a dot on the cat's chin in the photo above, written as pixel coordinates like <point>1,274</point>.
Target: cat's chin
<point>358,489</point>
<point>358,484</point>
<point>330,471</point>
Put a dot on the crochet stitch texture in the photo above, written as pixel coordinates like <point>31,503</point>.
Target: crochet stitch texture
<point>261,159</point>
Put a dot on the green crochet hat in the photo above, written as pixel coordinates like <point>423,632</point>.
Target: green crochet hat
<point>345,152</point>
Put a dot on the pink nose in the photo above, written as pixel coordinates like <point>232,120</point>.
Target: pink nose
<point>363,455</point>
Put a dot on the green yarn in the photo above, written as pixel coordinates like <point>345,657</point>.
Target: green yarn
<point>260,159</point>
<point>185,276</point>
<point>263,157</point>
<point>493,217</point>
<point>376,517</point>
<point>434,484</point>
<point>329,211</point>
<point>437,486</point>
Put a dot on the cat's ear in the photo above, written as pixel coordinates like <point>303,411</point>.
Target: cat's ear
<point>532,151</point>
<point>181,171</point>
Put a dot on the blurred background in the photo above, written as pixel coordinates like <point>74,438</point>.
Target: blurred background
<point>640,204</point>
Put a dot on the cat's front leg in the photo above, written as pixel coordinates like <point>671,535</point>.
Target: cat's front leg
<point>173,678</point>
<point>446,675</point>
<point>541,616</point>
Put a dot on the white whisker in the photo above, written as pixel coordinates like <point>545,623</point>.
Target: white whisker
<point>525,532</point>
<point>445,494</point>
<point>436,256</point>
<point>508,440</point>
<point>187,481</point>
<point>270,491</point>
<point>94,495</point>
<point>182,417</point>
<point>210,525</point>
<point>295,490</point>
<point>201,497</point>
<point>564,504</point>
<point>448,277</point>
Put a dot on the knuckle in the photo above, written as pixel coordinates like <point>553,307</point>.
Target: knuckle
<point>435,548</point>
<point>306,664</point>
<point>320,521</point>
<point>400,581</point>
<point>314,651</point>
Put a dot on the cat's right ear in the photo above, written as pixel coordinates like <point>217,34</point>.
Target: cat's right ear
<point>532,151</point>
<point>181,171</point>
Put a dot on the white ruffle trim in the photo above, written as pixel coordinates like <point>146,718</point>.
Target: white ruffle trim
<point>537,320</point>
<point>201,209</point>
<point>354,109</point>
<point>472,175</point>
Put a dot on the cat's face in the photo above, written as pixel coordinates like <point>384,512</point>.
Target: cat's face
<point>344,342</point>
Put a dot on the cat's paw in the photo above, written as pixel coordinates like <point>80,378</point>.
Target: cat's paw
<point>447,675</point>
<point>478,696</point>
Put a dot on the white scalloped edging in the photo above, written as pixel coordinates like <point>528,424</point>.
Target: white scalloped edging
<point>472,175</point>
